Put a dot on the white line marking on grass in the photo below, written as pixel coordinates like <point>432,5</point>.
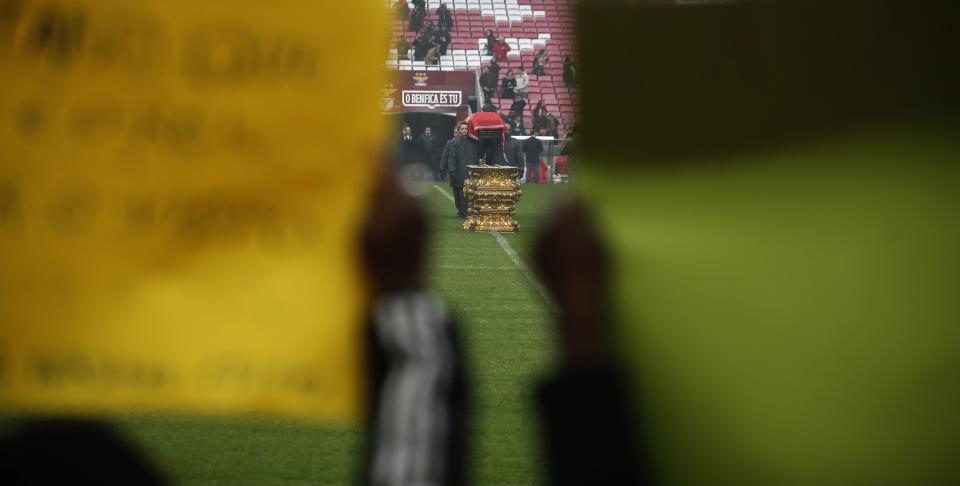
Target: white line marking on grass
<point>517,262</point>
<point>445,193</point>
<point>468,267</point>
<point>523,268</point>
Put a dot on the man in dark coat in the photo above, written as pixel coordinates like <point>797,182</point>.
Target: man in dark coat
<point>416,19</point>
<point>420,47</point>
<point>569,72</point>
<point>513,151</point>
<point>515,120</point>
<point>491,39</point>
<point>445,153</point>
<point>430,29</point>
<point>444,17</point>
<point>428,144</point>
<point>532,148</point>
<point>456,166</point>
<point>495,69</point>
<point>443,38</point>
<point>488,83</point>
<point>519,104</point>
<point>408,146</point>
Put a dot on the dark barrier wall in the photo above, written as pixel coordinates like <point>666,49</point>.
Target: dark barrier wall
<point>686,81</point>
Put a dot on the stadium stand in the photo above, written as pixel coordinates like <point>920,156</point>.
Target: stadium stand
<point>527,26</point>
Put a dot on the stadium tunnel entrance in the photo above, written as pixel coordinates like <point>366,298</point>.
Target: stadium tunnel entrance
<point>440,123</point>
<point>415,160</point>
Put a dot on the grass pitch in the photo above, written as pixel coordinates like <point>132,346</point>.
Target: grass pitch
<point>504,323</point>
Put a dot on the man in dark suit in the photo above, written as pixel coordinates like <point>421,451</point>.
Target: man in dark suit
<point>443,38</point>
<point>444,17</point>
<point>533,147</point>
<point>421,44</point>
<point>456,166</point>
<point>445,152</point>
<point>408,146</point>
<point>513,151</point>
<point>428,148</point>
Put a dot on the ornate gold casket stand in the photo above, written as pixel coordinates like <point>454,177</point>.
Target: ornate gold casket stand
<point>492,192</point>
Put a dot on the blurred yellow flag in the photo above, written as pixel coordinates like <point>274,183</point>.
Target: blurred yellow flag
<point>180,188</point>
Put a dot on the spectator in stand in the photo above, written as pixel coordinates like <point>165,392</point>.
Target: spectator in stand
<point>516,113</point>
<point>508,85</point>
<point>444,17</point>
<point>491,40</point>
<point>539,116</point>
<point>443,38</point>
<point>433,55</point>
<point>500,50</point>
<point>416,20</point>
<point>402,11</point>
<point>540,110</point>
<point>552,126</point>
<point>403,49</point>
<point>513,152</point>
<point>420,47</point>
<point>488,83</point>
<point>569,72</point>
<point>540,62</point>
<point>495,68</point>
<point>428,145</point>
<point>421,4</point>
<point>518,106</point>
<point>570,145</point>
<point>519,127</point>
<point>523,83</point>
<point>532,148</point>
<point>430,29</point>
<point>510,121</point>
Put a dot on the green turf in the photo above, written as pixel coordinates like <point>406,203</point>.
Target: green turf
<point>504,324</point>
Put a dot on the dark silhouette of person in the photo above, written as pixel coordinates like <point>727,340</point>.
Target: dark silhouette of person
<point>72,451</point>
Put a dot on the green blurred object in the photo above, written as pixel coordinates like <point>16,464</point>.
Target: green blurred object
<point>783,222</point>
<point>792,316</point>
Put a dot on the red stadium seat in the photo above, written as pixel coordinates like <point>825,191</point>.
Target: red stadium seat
<point>561,164</point>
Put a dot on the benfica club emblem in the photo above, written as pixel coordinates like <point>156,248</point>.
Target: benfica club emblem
<point>386,102</point>
<point>420,79</point>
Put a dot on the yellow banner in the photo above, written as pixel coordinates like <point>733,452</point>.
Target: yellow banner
<point>180,188</point>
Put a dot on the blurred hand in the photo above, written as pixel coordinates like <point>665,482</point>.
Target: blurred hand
<point>573,264</point>
<point>392,240</point>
